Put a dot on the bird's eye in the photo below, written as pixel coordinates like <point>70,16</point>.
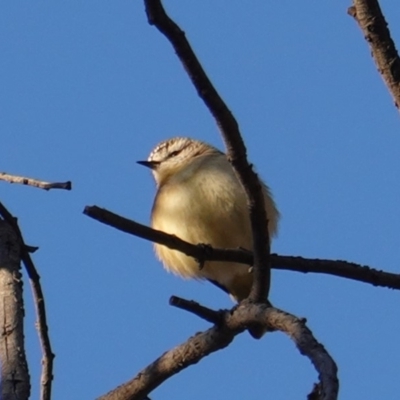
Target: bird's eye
<point>174,153</point>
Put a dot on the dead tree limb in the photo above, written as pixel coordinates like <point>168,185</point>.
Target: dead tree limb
<point>201,252</point>
<point>15,380</point>
<point>220,336</point>
<point>42,327</point>
<point>371,20</point>
<point>34,182</point>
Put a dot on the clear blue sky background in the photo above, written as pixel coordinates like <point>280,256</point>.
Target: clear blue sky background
<point>88,88</point>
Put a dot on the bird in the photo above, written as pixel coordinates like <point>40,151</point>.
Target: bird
<point>200,200</point>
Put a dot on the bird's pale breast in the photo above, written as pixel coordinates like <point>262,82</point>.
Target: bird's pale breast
<point>208,208</point>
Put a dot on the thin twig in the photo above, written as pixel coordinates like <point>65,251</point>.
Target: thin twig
<point>340,268</point>
<point>42,327</point>
<point>343,269</point>
<point>34,182</point>
<point>205,313</point>
<point>31,249</point>
<point>236,150</point>
<point>371,20</point>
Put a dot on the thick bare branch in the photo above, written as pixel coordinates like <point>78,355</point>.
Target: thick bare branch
<point>218,337</point>
<point>202,253</point>
<point>15,382</point>
<point>42,327</point>
<point>171,363</point>
<point>371,20</point>
<point>34,182</point>
<point>236,150</point>
<point>274,319</point>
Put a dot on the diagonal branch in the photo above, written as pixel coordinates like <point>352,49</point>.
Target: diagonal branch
<point>369,17</point>
<point>171,363</point>
<point>236,150</point>
<point>343,269</point>
<point>206,313</point>
<point>216,338</point>
<point>42,327</point>
<point>34,182</point>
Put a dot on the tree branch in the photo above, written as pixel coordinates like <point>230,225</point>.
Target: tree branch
<point>195,308</point>
<point>202,253</point>
<point>236,150</point>
<point>372,22</point>
<point>42,327</point>
<point>218,337</point>
<point>340,268</point>
<point>171,363</point>
<point>15,381</point>
<point>274,319</point>
<point>34,182</point>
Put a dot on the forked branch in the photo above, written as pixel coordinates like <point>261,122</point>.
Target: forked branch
<point>218,337</point>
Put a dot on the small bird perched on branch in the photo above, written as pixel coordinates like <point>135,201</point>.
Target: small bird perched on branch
<point>200,200</point>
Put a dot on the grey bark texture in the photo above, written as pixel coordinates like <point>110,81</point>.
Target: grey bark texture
<point>15,380</point>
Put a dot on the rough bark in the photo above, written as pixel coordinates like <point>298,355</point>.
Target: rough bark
<point>372,22</point>
<point>15,382</point>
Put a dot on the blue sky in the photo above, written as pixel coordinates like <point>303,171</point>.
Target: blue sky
<point>88,88</point>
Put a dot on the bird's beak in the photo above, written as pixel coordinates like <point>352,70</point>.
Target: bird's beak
<point>149,164</point>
